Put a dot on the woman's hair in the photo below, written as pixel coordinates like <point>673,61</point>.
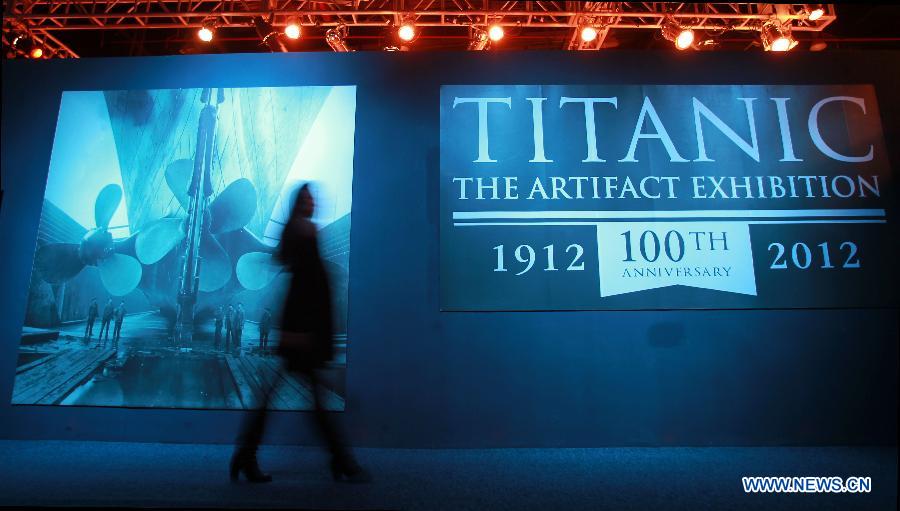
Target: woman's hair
<point>296,204</point>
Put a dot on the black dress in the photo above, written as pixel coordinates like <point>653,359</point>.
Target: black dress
<point>307,308</point>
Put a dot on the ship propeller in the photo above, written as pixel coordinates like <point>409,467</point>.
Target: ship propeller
<point>178,178</point>
<point>120,273</point>
<point>215,267</point>
<point>256,270</point>
<point>158,239</point>
<point>106,204</point>
<point>233,208</point>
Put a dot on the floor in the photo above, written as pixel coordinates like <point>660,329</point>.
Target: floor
<point>145,369</point>
<point>65,473</point>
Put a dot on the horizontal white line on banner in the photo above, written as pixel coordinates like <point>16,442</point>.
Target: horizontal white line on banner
<point>714,213</point>
<point>754,222</point>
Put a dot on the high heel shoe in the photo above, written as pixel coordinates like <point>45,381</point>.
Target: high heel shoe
<point>246,463</point>
<point>349,471</point>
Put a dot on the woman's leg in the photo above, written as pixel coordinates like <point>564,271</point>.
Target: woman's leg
<point>328,427</point>
<point>255,423</point>
<point>244,458</point>
<point>343,463</point>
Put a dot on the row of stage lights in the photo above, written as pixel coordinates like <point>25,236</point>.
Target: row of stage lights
<point>335,36</point>
<point>774,35</point>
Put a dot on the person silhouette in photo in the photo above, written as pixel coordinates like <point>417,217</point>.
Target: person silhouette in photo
<point>220,316</point>
<point>265,323</point>
<point>238,327</point>
<point>119,315</point>
<point>93,312</point>
<point>229,318</point>
<point>108,312</point>
<point>306,344</point>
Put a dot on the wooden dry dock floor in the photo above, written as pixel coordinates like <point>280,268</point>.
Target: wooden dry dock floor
<point>49,379</point>
<point>251,374</point>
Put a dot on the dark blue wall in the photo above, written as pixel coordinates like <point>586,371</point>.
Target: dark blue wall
<point>419,377</point>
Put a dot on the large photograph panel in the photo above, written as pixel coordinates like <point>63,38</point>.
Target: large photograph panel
<point>154,283</point>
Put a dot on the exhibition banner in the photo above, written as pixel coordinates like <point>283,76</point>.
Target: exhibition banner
<point>566,197</point>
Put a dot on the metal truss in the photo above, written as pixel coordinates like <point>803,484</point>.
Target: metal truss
<point>43,18</point>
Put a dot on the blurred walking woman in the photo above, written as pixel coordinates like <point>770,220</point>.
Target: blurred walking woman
<point>306,344</point>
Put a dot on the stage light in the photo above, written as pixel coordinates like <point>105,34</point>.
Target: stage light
<point>682,37</point>
<point>335,37</point>
<point>684,40</point>
<point>270,37</point>
<point>24,43</point>
<point>495,32</point>
<point>28,46</point>
<point>207,31</point>
<point>776,36</point>
<point>479,39</point>
<point>407,32</point>
<point>588,34</point>
<point>815,12</point>
<point>781,44</point>
<point>292,29</point>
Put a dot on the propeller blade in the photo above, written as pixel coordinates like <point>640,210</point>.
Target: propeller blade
<point>158,239</point>
<point>256,270</point>
<point>119,273</point>
<point>234,207</point>
<point>125,246</point>
<point>215,266</point>
<point>58,262</point>
<point>178,178</point>
<point>241,241</point>
<point>106,204</point>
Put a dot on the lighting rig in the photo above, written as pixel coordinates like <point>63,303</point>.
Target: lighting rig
<point>344,26</point>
